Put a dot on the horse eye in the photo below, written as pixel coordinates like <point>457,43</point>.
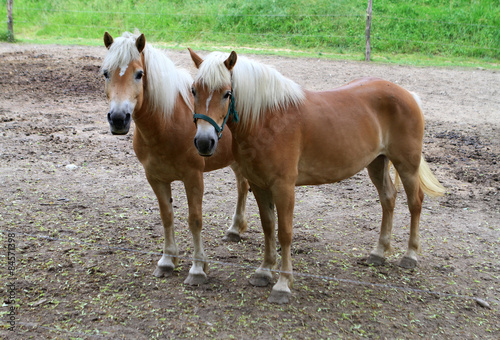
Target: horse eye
<point>193,91</point>
<point>139,75</point>
<point>227,94</point>
<point>105,74</point>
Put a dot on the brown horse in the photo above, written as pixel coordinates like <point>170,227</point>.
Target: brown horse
<point>143,84</point>
<point>287,136</point>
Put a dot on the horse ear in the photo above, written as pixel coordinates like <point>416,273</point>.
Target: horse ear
<point>231,61</point>
<point>140,43</point>
<point>196,58</point>
<point>108,40</point>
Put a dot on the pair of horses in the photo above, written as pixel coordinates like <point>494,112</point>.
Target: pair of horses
<point>278,136</point>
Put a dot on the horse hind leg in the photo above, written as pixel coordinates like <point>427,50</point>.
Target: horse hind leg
<point>239,225</point>
<point>415,195</point>
<point>379,174</point>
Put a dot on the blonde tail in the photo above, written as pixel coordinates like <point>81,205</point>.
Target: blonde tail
<point>429,184</point>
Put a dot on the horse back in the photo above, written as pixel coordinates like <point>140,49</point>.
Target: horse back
<point>345,129</point>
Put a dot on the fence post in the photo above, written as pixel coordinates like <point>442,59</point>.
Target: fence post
<point>10,21</point>
<point>368,29</point>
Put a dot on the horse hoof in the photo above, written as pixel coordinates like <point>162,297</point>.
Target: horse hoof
<point>375,260</point>
<point>231,237</point>
<point>163,271</point>
<point>259,281</point>
<point>408,263</point>
<point>196,279</point>
<point>280,297</point>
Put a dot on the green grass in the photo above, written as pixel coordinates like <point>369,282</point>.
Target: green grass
<point>416,32</point>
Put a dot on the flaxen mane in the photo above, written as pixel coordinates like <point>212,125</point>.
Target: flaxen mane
<point>165,81</point>
<point>257,88</point>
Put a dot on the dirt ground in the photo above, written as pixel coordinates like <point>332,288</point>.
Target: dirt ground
<point>89,232</point>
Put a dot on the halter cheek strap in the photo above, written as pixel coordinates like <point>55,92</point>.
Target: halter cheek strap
<point>231,111</point>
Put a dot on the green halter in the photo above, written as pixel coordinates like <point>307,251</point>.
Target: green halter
<point>231,111</point>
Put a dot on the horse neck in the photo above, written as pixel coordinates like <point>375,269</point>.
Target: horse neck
<point>153,126</point>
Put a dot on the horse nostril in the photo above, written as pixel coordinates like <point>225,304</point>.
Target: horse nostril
<point>195,143</point>
<point>212,142</point>
<point>109,115</point>
<point>127,117</point>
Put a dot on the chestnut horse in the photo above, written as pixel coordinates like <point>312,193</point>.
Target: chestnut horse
<point>286,136</point>
<point>143,84</point>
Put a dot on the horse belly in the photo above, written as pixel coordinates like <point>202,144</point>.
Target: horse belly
<point>335,152</point>
<point>322,171</point>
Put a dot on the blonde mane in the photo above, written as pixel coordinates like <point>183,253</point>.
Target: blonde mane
<point>257,87</point>
<point>165,80</point>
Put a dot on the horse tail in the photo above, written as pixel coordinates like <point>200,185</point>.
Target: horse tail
<point>428,182</point>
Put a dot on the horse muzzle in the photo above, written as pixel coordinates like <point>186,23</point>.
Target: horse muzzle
<point>119,122</point>
<point>205,140</point>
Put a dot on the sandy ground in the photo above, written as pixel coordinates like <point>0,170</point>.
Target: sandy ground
<point>93,278</point>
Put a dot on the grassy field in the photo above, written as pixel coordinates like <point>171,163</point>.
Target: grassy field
<point>419,32</point>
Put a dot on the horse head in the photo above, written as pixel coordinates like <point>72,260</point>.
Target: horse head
<point>124,73</point>
<point>213,102</point>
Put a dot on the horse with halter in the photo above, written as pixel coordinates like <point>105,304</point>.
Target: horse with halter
<point>142,84</point>
<point>286,136</point>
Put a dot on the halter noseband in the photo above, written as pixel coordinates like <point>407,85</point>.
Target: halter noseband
<point>231,111</point>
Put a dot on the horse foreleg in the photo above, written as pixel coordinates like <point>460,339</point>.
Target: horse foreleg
<point>194,192</point>
<point>239,225</point>
<point>284,197</point>
<point>379,174</point>
<point>263,275</point>
<point>169,259</point>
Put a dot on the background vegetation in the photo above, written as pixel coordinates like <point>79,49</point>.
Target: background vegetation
<point>454,30</point>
